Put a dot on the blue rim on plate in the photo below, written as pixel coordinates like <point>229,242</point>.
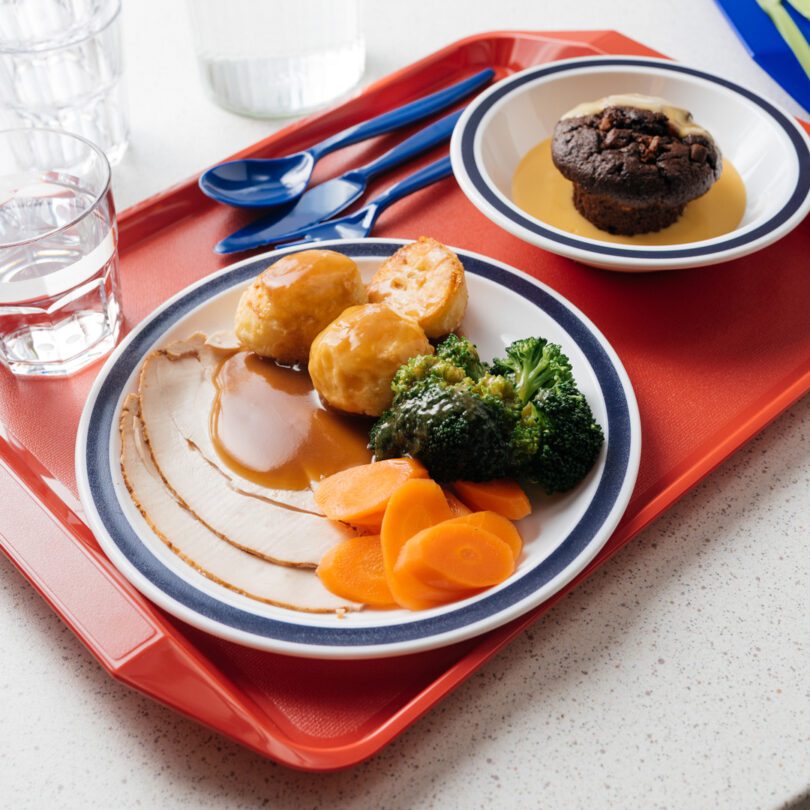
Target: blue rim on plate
<point>100,495</point>
<point>470,124</point>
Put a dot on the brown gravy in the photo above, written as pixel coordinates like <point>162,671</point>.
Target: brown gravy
<point>269,426</point>
<point>541,191</point>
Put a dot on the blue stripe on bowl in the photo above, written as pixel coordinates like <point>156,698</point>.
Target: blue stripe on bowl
<point>799,195</point>
<point>104,420</point>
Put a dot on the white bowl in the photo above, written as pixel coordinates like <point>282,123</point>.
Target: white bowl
<point>768,147</point>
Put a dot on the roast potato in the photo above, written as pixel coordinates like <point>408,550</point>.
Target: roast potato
<point>423,281</point>
<point>283,310</point>
<point>353,361</point>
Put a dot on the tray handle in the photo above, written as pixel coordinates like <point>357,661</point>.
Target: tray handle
<point>56,552</point>
<point>70,576</point>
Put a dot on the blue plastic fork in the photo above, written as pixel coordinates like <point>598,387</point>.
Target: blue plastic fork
<point>359,223</point>
<point>330,198</point>
<point>256,183</point>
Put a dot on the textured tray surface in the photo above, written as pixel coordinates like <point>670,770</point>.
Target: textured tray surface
<point>713,355</point>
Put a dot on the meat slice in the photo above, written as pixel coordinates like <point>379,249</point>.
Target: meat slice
<point>192,399</point>
<point>177,392</point>
<point>294,588</point>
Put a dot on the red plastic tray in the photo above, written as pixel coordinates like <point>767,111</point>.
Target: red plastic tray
<point>714,354</point>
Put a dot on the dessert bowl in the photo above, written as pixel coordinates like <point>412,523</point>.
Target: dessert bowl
<point>768,147</point>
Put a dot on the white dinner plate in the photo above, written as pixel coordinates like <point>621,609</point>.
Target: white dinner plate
<point>561,536</point>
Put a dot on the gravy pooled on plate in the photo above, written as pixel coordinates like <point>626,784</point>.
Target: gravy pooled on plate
<point>270,427</point>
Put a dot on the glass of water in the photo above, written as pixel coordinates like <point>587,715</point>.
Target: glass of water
<point>61,67</point>
<point>59,300</point>
<point>277,57</point>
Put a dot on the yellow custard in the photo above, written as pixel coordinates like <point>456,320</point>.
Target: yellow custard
<point>541,191</point>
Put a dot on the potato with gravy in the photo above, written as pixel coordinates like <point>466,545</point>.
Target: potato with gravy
<point>423,281</point>
<point>353,360</point>
<point>283,310</point>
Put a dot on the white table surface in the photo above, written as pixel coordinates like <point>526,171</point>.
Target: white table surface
<point>676,677</point>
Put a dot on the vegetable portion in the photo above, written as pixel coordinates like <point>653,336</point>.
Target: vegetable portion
<point>461,353</point>
<point>418,504</point>
<point>359,495</point>
<point>439,417</point>
<point>431,549</point>
<point>503,496</point>
<point>497,525</point>
<point>524,417</point>
<point>556,433</point>
<point>453,431</point>
<point>456,556</point>
<point>354,570</point>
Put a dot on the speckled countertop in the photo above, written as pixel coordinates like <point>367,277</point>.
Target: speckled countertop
<point>676,677</point>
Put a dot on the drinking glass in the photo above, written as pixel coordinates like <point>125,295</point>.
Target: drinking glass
<point>268,58</point>
<point>61,68</point>
<point>59,307</point>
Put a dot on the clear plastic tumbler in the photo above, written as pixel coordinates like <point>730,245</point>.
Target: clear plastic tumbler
<point>61,67</point>
<point>269,58</point>
<point>59,301</point>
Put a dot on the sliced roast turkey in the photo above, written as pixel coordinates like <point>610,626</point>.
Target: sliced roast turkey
<point>284,586</point>
<point>177,392</point>
<point>192,399</point>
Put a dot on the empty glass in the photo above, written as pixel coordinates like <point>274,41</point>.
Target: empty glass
<point>61,67</point>
<point>59,307</point>
<point>277,57</point>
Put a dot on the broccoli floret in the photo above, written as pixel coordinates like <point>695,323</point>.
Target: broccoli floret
<point>524,417</point>
<point>462,353</point>
<point>498,388</point>
<point>532,364</point>
<point>568,439</point>
<point>423,371</point>
<point>454,432</point>
<point>456,362</point>
<point>526,439</point>
<point>556,440</point>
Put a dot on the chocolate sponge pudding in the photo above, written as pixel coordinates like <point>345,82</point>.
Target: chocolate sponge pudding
<point>635,161</point>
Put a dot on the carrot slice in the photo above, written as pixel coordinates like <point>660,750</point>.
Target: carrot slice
<point>456,556</point>
<point>416,505</point>
<point>353,569</point>
<point>503,496</point>
<point>456,506</point>
<point>498,525</point>
<point>415,594</point>
<point>360,494</point>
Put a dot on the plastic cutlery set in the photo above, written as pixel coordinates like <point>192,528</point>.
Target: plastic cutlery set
<point>296,215</point>
<point>330,198</point>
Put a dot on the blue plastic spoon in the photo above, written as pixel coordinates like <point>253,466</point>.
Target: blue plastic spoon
<point>359,223</point>
<point>256,183</point>
<point>327,199</point>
